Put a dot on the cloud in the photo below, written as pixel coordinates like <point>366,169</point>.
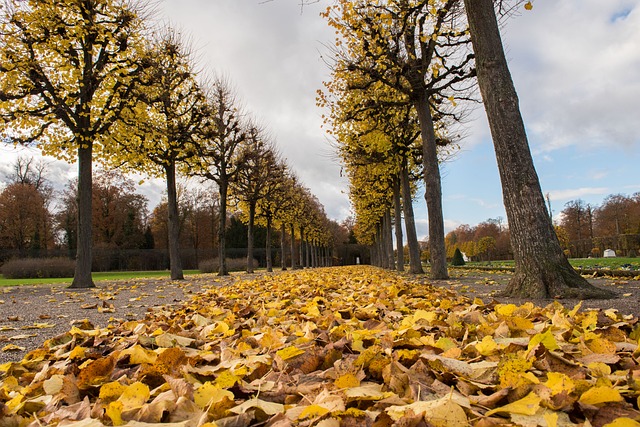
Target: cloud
<point>575,67</point>
<point>571,194</point>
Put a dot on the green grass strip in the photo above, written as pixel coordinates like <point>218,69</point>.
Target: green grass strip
<point>98,276</point>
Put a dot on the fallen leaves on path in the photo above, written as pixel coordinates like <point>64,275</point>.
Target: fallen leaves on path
<point>351,346</point>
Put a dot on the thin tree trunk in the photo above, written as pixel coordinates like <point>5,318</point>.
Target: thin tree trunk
<point>82,276</point>
<point>252,218</point>
<point>222,225</point>
<point>302,257</point>
<point>283,246</point>
<point>433,188</point>
<point>415,263</point>
<point>541,269</point>
<point>294,253</point>
<point>173,225</point>
<point>388,230</point>
<point>397,212</point>
<point>268,247</point>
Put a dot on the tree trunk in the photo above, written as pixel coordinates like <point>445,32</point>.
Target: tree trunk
<point>268,247</point>
<point>175,264</point>
<point>294,253</point>
<point>541,269</point>
<point>222,225</point>
<point>388,230</point>
<point>283,246</point>
<point>252,219</point>
<point>433,188</point>
<point>302,248</point>
<point>415,263</point>
<point>397,212</point>
<point>82,276</point>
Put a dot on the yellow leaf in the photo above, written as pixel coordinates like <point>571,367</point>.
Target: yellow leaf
<point>528,405</point>
<point>114,411</point>
<point>78,352</point>
<point>313,411</point>
<point>226,379</point>
<point>597,395</point>
<point>209,394</point>
<point>623,422</point>
<point>601,345</point>
<point>599,369</point>
<point>528,5</point>
<point>546,339</point>
<point>487,346</point>
<point>442,412</point>
<point>289,352</point>
<point>139,355</point>
<point>111,391</point>
<point>134,396</point>
<point>558,383</point>
<point>551,418</point>
<point>347,381</point>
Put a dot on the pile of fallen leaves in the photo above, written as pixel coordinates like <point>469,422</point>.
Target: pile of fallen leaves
<point>334,347</point>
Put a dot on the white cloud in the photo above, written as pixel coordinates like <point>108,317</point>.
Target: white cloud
<point>571,194</point>
<point>575,68</point>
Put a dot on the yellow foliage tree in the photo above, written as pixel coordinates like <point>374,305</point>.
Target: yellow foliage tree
<point>68,69</point>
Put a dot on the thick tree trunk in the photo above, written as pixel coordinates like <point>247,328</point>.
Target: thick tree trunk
<point>222,225</point>
<point>82,276</point>
<point>252,219</point>
<point>541,269</point>
<point>268,246</point>
<point>433,188</point>
<point>283,246</point>
<point>175,264</point>
<point>397,212</point>
<point>415,263</point>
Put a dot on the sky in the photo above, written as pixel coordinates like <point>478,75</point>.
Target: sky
<point>575,65</point>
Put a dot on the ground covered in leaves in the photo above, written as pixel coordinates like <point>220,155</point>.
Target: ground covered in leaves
<point>351,346</point>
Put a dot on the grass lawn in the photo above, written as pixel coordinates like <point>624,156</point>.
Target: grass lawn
<point>109,275</point>
<point>588,263</point>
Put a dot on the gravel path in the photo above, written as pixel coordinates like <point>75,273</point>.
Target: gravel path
<point>29,315</point>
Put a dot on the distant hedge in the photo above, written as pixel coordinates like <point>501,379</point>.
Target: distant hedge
<point>233,264</point>
<point>33,268</point>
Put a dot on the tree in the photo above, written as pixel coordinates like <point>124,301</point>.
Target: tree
<point>25,221</point>
<point>167,122</point>
<point>219,156</point>
<point>541,269</point>
<point>68,70</point>
<point>415,48</point>
<point>252,179</point>
<point>119,214</point>
<point>577,221</point>
<point>457,259</point>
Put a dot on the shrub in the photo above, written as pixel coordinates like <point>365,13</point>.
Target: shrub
<point>31,268</point>
<point>233,264</point>
<point>457,259</point>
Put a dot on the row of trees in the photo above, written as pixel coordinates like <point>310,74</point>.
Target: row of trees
<point>92,81</point>
<point>34,219</point>
<point>486,241</point>
<point>403,70</point>
<point>587,230</point>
